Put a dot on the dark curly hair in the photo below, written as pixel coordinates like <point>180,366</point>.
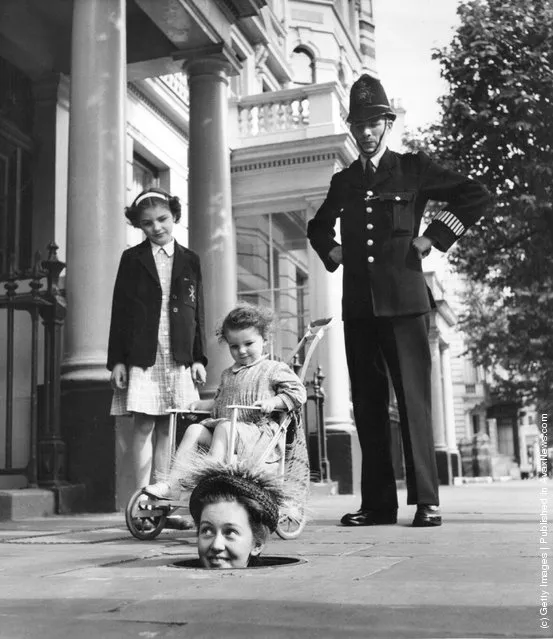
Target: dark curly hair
<point>159,197</point>
<point>246,315</point>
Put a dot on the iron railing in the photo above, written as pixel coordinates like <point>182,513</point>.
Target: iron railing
<point>318,453</point>
<point>316,394</point>
<point>46,463</point>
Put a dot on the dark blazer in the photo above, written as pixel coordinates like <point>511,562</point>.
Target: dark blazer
<point>378,221</point>
<point>136,309</point>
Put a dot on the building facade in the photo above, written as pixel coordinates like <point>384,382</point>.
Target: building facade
<point>236,106</point>
<point>505,433</point>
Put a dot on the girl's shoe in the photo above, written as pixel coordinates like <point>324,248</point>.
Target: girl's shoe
<point>177,522</point>
<point>160,490</point>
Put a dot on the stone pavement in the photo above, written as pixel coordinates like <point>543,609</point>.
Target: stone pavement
<point>476,576</point>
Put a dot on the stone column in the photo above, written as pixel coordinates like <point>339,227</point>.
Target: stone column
<point>95,239</point>
<point>438,424</point>
<point>211,226</point>
<point>450,436</point>
<point>437,391</point>
<point>449,411</point>
<point>325,300</point>
<point>96,190</point>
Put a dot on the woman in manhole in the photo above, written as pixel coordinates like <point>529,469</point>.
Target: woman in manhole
<point>235,507</point>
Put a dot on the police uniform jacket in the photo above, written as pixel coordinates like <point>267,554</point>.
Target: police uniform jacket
<point>136,309</point>
<point>378,220</point>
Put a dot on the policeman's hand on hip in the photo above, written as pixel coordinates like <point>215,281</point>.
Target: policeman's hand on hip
<point>422,246</point>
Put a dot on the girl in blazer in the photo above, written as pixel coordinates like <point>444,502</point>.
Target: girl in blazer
<point>156,351</point>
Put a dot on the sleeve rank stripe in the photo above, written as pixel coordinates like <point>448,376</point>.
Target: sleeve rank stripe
<point>454,224</point>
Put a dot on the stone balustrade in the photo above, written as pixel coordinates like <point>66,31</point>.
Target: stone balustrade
<point>278,114</point>
<point>305,111</point>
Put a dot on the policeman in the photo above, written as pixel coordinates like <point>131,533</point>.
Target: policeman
<point>380,199</point>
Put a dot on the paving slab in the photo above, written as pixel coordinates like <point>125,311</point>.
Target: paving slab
<point>476,576</point>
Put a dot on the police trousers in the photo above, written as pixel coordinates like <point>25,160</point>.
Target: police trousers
<point>396,348</point>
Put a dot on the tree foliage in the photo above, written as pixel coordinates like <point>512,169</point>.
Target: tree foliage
<point>497,126</point>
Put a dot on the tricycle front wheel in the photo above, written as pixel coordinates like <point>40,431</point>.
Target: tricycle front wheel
<point>144,516</point>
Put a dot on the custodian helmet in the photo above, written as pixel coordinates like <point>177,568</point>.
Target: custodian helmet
<point>368,100</point>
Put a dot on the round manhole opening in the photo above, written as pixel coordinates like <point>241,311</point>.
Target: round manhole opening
<point>262,562</point>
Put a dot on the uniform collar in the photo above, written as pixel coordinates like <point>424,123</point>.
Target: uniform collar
<point>375,159</point>
<point>169,248</point>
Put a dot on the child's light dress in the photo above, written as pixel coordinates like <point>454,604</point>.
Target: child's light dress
<point>244,385</point>
<point>166,384</point>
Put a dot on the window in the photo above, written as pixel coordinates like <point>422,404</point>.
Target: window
<point>16,173</point>
<point>272,271</point>
<point>505,439</point>
<point>303,66</point>
<point>470,372</point>
<point>144,175</point>
<point>16,192</point>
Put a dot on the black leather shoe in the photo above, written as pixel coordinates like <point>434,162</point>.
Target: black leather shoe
<point>427,516</point>
<point>370,518</point>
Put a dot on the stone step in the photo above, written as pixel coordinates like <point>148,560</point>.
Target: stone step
<point>23,503</point>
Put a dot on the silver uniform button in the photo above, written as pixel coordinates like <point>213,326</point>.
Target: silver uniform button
<point>369,209</point>
<point>370,242</point>
<point>175,310</point>
<point>370,227</point>
<point>370,259</point>
<point>397,198</point>
<point>370,193</point>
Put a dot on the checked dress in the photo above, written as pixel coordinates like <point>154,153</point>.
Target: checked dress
<point>166,384</point>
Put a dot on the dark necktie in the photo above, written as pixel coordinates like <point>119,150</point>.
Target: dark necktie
<point>369,172</point>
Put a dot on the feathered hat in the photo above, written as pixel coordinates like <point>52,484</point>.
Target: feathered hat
<point>239,479</point>
<point>246,477</point>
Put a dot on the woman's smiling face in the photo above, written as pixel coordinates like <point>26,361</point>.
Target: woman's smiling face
<point>225,537</point>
